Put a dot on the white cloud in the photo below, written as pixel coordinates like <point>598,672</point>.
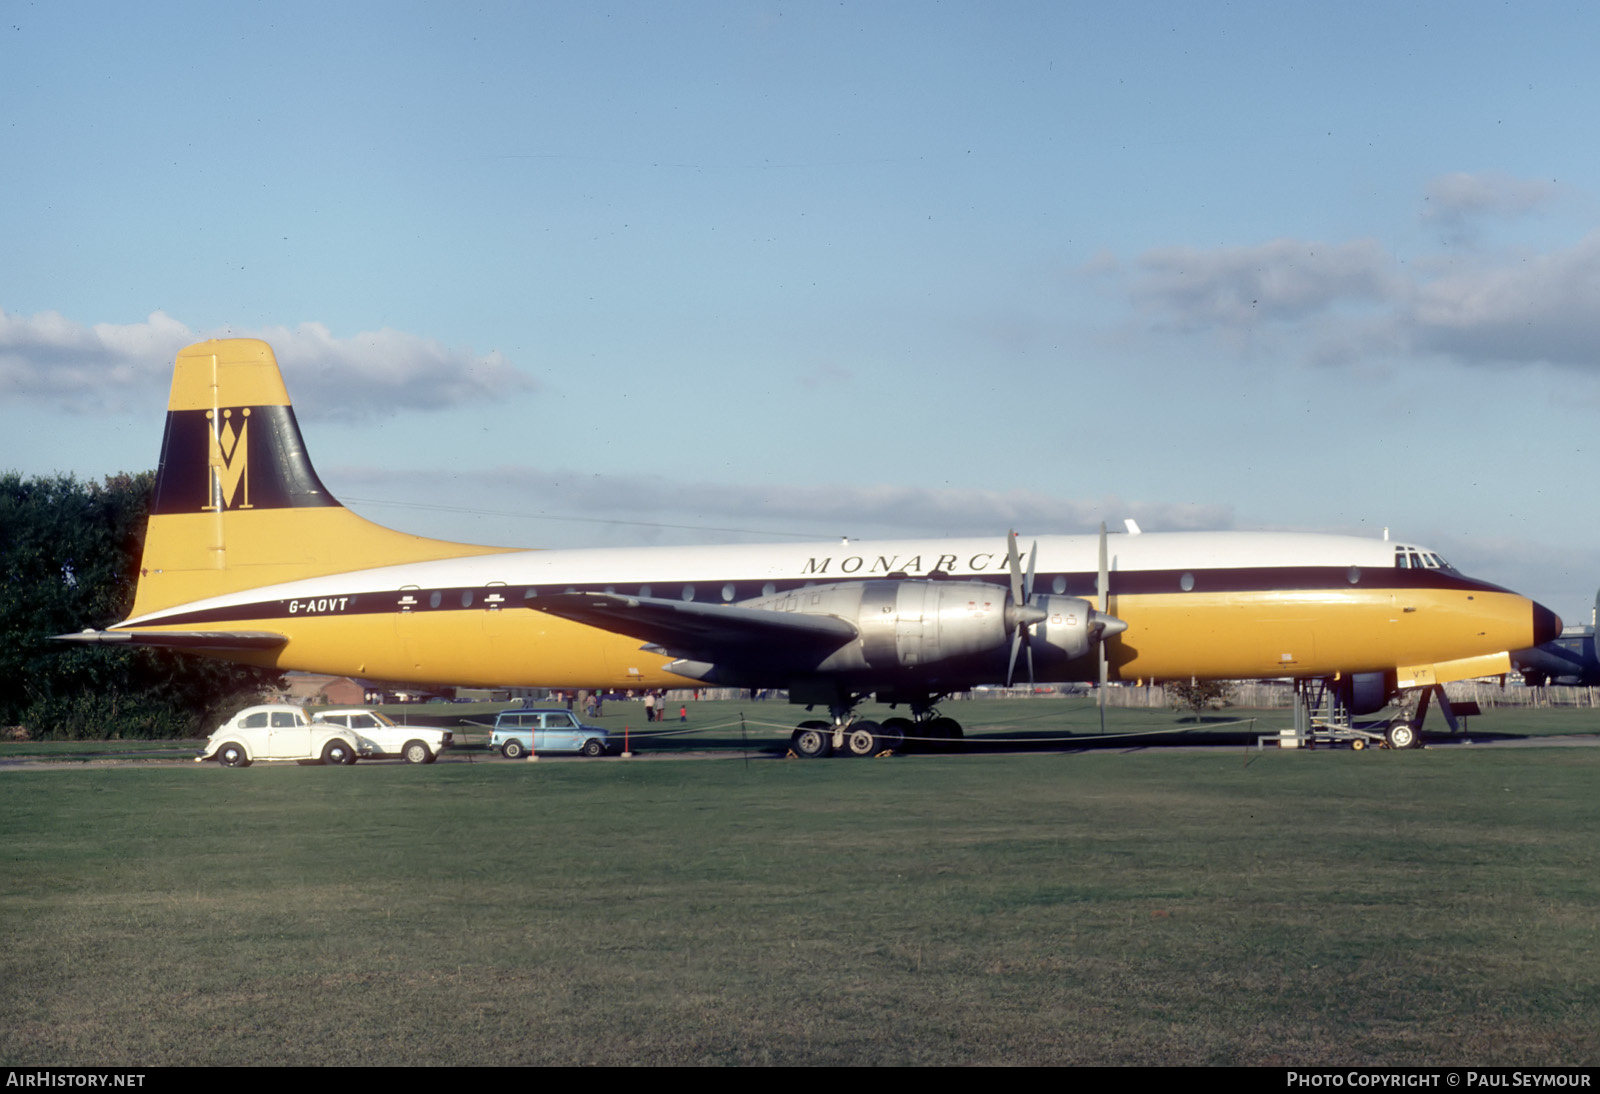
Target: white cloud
<point>1531,308</point>
<point>1344,302</point>
<point>1462,195</point>
<point>376,372</point>
<point>50,359</point>
<point>1282,280</point>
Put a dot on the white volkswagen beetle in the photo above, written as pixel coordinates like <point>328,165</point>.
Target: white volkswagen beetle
<point>278,732</point>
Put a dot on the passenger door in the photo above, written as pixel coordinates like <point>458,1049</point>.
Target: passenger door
<point>289,735</point>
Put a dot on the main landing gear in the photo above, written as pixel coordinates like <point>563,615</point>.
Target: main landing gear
<point>848,735</point>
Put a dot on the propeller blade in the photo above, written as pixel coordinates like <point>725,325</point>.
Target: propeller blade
<point>1021,611</point>
<point>1014,562</point>
<point>1027,591</point>
<point>1102,584</point>
<point>1103,592</point>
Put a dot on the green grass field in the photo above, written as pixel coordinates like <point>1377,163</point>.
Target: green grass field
<point>1099,906</point>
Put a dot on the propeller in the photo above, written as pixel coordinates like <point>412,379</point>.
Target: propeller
<point>1021,612</point>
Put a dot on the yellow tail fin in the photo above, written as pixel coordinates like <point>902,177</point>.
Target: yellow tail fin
<point>237,503</point>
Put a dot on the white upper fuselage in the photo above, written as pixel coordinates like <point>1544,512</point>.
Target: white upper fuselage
<point>702,573</point>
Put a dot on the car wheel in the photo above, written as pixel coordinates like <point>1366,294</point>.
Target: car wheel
<point>338,752</point>
<point>592,747</point>
<point>512,749</point>
<point>232,755</point>
<point>416,752</point>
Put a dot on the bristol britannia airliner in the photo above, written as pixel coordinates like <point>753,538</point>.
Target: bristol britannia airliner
<point>247,557</point>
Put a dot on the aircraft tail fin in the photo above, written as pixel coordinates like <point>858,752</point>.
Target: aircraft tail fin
<point>237,503</point>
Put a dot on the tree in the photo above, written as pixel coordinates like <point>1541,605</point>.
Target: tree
<point>1199,695</point>
<point>69,556</point>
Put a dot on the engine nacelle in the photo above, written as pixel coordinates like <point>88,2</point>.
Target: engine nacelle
<point>1064,632</point>
<point>1368,692</point>
<point>907,623</point>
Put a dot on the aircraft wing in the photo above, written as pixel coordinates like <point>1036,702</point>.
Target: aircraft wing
<point>183,640</point>
<point>686,629</point>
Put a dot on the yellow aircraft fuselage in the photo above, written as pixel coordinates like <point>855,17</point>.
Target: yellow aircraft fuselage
<point>247,557</point>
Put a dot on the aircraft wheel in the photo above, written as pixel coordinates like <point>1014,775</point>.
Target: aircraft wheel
<point>512,749</point>
<point>338,752</point>
<point>862,739</point>
<point>1404,735</point>
<point>945,733</point>
<point>1359,744</point>
<point>813,740</point>
<point>416,752</point>
<point>232,755</point>
<point>893,734</point>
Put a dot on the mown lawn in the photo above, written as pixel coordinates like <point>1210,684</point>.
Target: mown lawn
<point>1097,907</point>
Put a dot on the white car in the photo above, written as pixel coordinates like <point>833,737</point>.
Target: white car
<point>380,735</point>
<point>278,732</point>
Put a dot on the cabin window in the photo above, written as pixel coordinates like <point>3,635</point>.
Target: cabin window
<point>1058,584</point>
<point>466,598</point>
<point>530,593</point>
<point>1355,574</point>
<point>688,592</point>
<point>435,598</point>
<point>644,590</point>
<point>768,589</point>
<point>1186,582</point>
<point>727,592</point>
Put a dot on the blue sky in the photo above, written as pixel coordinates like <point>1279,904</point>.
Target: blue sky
<point>562,274</point>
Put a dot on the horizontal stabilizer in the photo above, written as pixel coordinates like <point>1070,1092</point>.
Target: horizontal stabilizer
<point>718,632</point>
<point>181,640</point>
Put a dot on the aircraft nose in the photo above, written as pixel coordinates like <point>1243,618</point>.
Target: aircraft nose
<point>1546,625</point>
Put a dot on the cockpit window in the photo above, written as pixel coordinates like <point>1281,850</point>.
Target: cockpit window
<point>1413,558</point>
